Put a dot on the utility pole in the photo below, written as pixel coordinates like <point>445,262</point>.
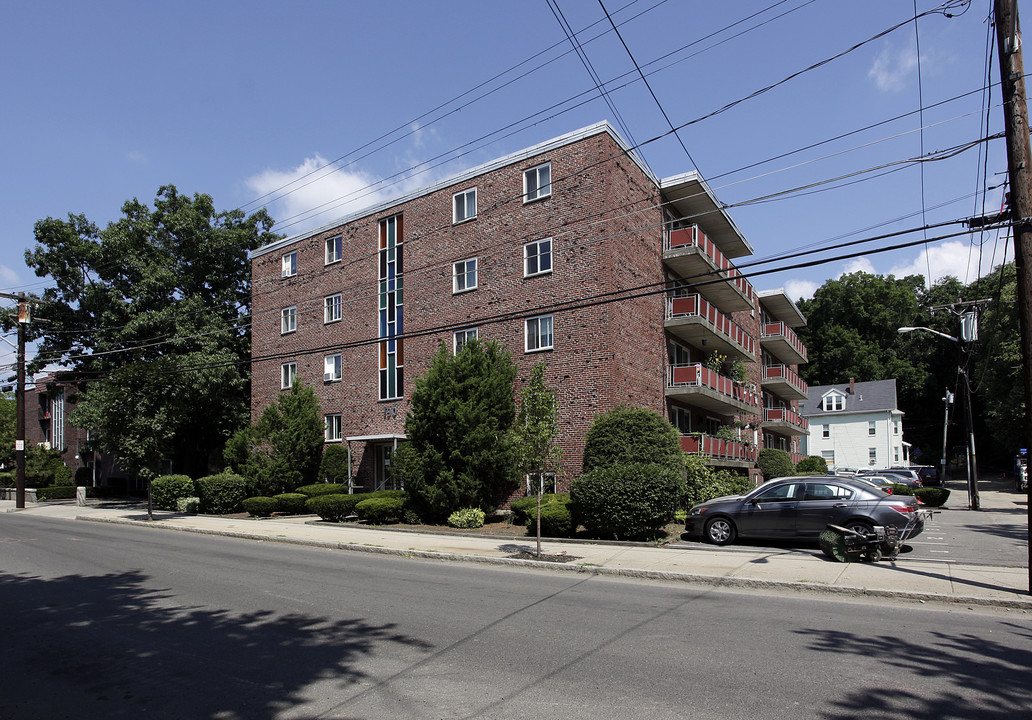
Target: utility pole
<point>1019,167</point>
<point>24,318</point>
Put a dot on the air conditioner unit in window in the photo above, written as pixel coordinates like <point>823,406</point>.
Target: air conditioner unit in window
<point>327,377</point>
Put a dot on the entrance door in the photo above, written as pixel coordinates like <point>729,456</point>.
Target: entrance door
<point>384,478</point>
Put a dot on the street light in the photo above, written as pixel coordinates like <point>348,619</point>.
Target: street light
<point>972,469</point>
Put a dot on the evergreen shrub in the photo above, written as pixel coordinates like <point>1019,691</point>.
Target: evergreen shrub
<point>331,508</point>
<point>334,465</point>
<point>167,489</point>
<point>260,506</point>
<point>380,510</point>
<point>812,465</point>
<point>632,435</point>
<point>775,463</point>
<point>291,503</point>
<point>467,518</point>
<point>933,496</point>
<point>901,489</point>
<point>627,501</point>
<point>556,520</point>
<point>322,489</point>
<point>222,494</point>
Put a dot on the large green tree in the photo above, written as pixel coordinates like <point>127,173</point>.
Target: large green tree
<point>152,315</point>
<point>460,451</point>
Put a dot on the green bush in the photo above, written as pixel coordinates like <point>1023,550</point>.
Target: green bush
<point>556,521</point>
<point>55,492</point>
<point>380,510</point>
<point>222,494</point>
<point>291,503</point>
<point>631,435</point>
<point>331,508</point>
<point>774,463</point>
<point>7,479</point>
<point>524,510</point>
<point>627,501</point>
<point>188,505</point>
<point>467,518</point>
<point>260,506</point>
<point>334,465</point>
<point>167,489</point>
<point>64,476</point>
<point>812,465</point>
<point>322,489</point>
<point>933,496</point>
<point>901,489</point>
<point>703,483</point>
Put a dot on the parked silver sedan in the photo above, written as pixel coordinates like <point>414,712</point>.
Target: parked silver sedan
<point>801,507</point>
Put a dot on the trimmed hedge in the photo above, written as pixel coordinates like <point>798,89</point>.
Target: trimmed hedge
<point>812,465</point>
<point>331,508</point>
<point>933,496</point>
<point>167,489</point>
<point>291,503</point>
<point>627,500</point>
<point>380,510</point>
<point>322,489</point>
<point>629,435</point>
<point>774,463</point>
<point>260,506</point>
<point>58,492</point>
<point>556,521</point>
<point>222,494</point>
<point>524,510</point>
<point>467,518</point>
<point>901,489</point>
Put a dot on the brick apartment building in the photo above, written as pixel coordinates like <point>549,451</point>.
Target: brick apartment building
<point>570,252</point>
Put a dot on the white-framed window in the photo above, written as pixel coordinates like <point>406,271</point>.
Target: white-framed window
<point>536,482</point>
<point>833,401</point>
<point>288,319</point>
<point>681,419</point>
<point>537,182</point>
<point>895,427</point>
<point>537,257</point>
<point>826,431</point>
<point>333,368</point>
<point>289,268</point>
<point>539,333</point>
<point>464,205</point>
<point>57,420</point>
<point>332,308</point>
<point>464,275</point>
<point>829,457</point>
<point>872,427</point>
<point>288,374</point>
<point>333,428</point>
<point>895,454</point>
<point>872,456</point>
<point>462,337</point>
<point>334,249</point>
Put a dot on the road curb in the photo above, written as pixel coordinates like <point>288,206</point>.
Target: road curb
<point>710,581</point>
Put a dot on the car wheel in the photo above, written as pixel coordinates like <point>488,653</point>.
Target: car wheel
<point>720,531</point>
<point>861,527</point>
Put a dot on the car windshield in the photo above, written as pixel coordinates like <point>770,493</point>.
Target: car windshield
<point>778,493</point>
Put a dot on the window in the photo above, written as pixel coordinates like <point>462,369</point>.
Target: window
<point>826,431</point>
<point>895,454</point>
<point>537,257</point>
<point>464,275</point>
<point>895,427</point>
<point>332,368</point>
<point>464,205</point>
<point>333,428</point>
<point>288,374</point>
<point>681,419</point>
<point>334,249</point>
<point>829,457</point>
<point>834,401</point>
<point>288,320</point>
<point>822,491</point>
<point>539,333</point>
<point>57,420</point>
<point>391,308</point>
<point>289,265</point>
<point>872,456</point>
<point>462,337</point>
<point>538,482</point>
<point>782,493</point>
<point>537,183</point>
<point>872,429</point>
<point>332,308</point>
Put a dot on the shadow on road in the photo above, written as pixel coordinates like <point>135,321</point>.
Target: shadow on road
<point>110,646</point>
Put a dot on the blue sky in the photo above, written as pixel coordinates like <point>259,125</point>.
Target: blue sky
<point>106,101</point>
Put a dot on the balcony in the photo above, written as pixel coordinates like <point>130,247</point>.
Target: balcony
<point>693,256</point>
<point>695,321</point>
<point>722,451</point>
<point>778,339</point>
<point>781,381</point>
<point>701,387</point>
<point>785,422</point>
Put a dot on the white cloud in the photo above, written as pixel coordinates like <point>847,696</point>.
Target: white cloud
<point>893,68</point>
<point>800,289</point>
<point>9,277</point>
<point>137,157</point>
<point>860,264</point>
<point>312,194</point>
<point>954,257</point>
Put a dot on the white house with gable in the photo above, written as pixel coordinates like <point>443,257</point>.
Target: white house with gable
<point>855,425</point>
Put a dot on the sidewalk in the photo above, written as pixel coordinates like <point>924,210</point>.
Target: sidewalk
<point>801,570</point>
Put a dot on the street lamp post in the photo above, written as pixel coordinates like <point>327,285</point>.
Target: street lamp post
<point>972,466</point>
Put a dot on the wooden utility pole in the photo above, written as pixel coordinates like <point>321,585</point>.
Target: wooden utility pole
<point>1019,167</point>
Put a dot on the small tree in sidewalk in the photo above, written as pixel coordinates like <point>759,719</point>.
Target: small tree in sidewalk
<point>534,434</point>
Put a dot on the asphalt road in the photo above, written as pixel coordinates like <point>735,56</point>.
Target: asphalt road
<point>116,622</point>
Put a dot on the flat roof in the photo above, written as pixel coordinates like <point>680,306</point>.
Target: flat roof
<point>692,198</point>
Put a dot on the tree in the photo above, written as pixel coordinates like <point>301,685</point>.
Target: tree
<point>535,433</point>
<point>8,423</point>
<point>283,450</point>
<point>152,313</point>
<point>460,450</point>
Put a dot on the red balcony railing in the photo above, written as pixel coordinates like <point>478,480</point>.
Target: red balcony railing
<point>783,372</point>
<point>717,448</point>
<point>694,237</point>
<point>696,306</point>
<point>785,415</point>
<point>781,330</point>
<point>698,376</point>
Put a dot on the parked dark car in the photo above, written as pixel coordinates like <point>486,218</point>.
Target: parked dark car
<point>906,477</point>
<point>800,507</point>
<point>929,475</point>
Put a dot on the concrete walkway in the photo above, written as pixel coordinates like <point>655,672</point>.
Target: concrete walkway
<point>785,569</point>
